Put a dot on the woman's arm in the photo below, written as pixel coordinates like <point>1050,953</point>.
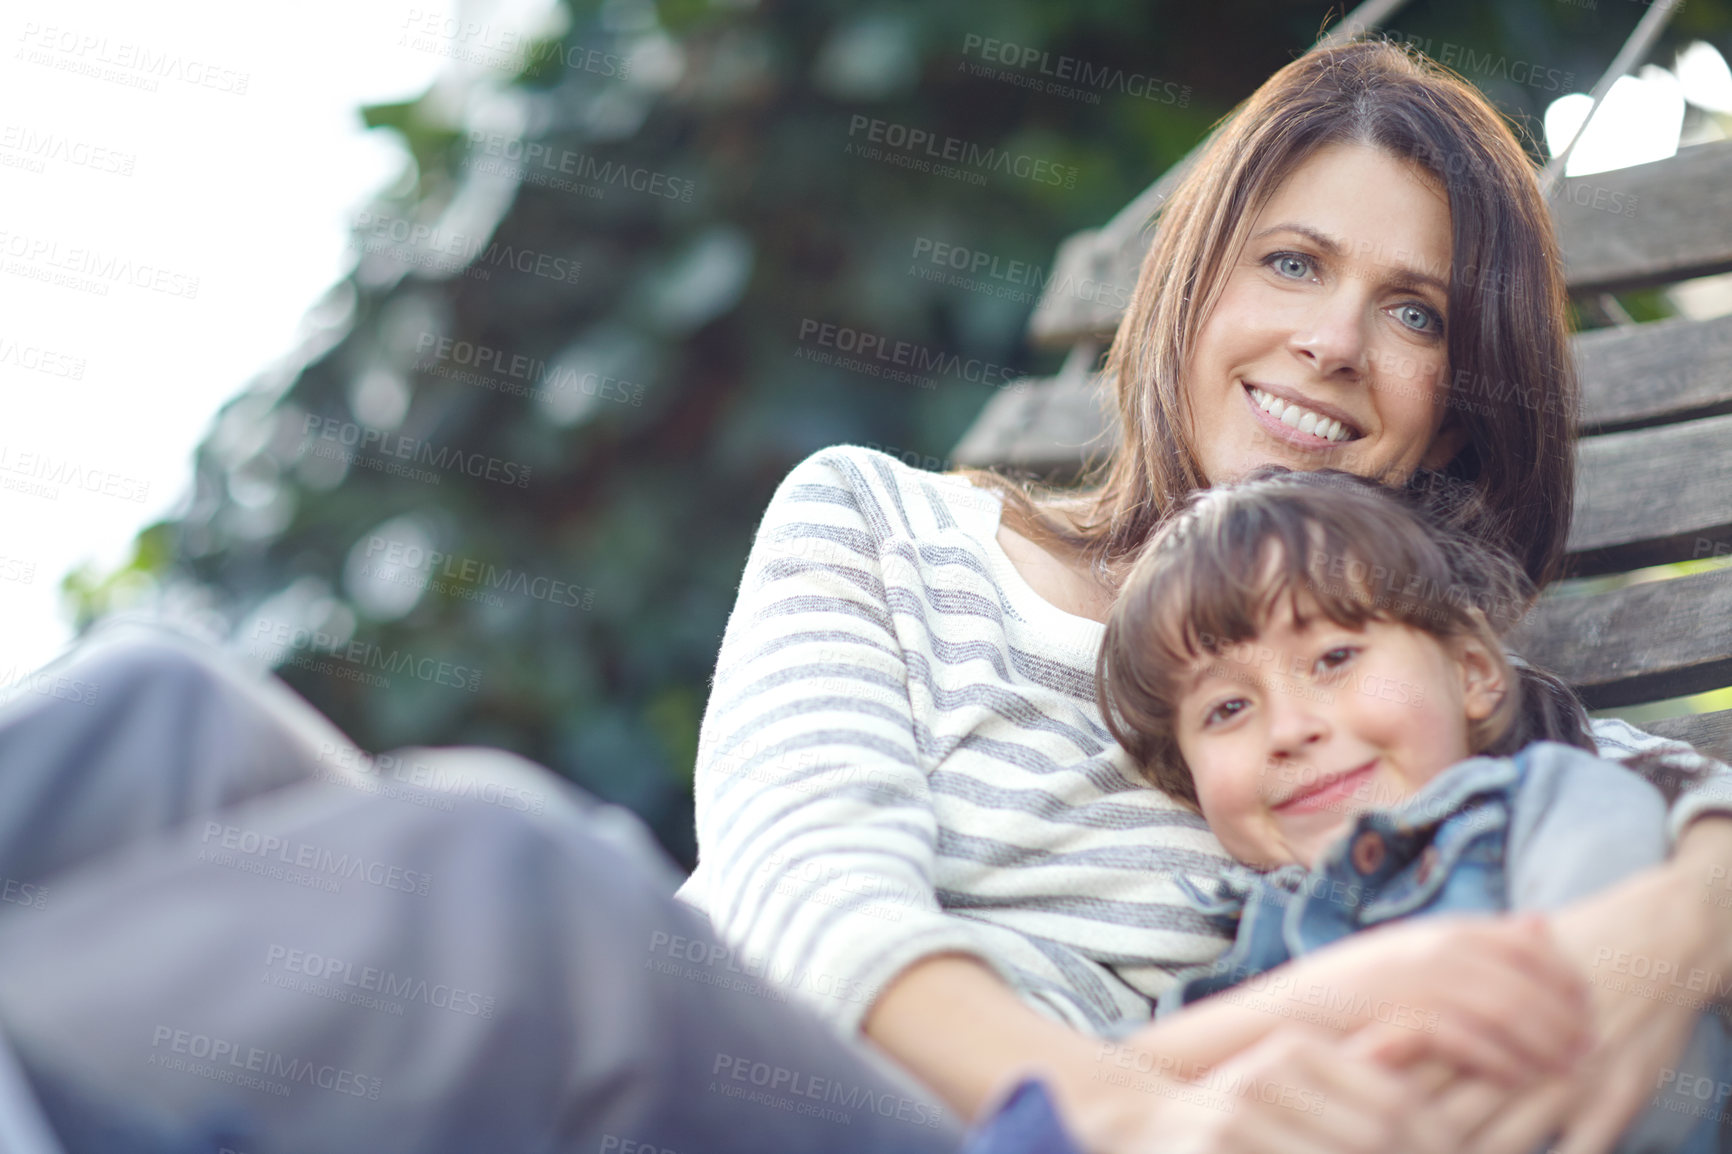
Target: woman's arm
<point>954,1024</point>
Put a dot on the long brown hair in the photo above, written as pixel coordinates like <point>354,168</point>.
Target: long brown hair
<point>1335,545</point>
<point>1512,381</point>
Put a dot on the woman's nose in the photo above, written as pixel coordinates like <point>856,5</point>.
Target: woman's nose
<point>1331,337</point>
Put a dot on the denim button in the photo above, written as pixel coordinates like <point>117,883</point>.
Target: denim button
<point>1367,852</point>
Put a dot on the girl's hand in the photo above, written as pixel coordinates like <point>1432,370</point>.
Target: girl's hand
<point>1489,995</point>
<point>1298,1091</point>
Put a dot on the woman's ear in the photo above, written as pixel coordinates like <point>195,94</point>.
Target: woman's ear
<point>1484,676</point>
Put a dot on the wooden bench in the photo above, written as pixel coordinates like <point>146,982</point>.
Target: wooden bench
<point>1655,482</point>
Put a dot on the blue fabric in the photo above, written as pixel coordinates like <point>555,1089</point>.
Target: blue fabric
<point>1026,1122</point>
<point>1442,850</point>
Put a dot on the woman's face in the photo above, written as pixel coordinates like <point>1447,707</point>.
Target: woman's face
<point>1326,346</point>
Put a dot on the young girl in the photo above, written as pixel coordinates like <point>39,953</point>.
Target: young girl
<point>1320,671</point>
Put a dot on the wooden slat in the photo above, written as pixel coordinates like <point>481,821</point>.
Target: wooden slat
<point>1640,643</point>
<point>1043,426</point>
<point>1648,374</point>
<point>1711,733</point>
<point>1678,224</point>
<point>1653,495</point>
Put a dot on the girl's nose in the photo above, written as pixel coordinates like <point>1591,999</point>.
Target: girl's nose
<point>1296,720</point>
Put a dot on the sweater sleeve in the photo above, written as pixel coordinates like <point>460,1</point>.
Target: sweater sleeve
<point>815,825</point>
<point>1711,793</point>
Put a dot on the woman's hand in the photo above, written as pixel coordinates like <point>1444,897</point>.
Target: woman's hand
<point>1667,924</point>
<point>1489,995</point>
<point>1298,1091</point>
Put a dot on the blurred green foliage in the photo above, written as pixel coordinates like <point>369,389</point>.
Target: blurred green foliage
<point>713,208</point>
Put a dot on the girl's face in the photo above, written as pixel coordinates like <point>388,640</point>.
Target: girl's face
<point>1292,736</point>
<point>1326,346</point>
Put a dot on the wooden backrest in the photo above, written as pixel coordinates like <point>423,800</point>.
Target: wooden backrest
<point>1655,482</point>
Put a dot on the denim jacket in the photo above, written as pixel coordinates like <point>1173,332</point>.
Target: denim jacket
<point>1441,850</point>
<point>1532,831</point>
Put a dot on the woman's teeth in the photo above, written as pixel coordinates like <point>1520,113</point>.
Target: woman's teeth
<point>1300,417</point>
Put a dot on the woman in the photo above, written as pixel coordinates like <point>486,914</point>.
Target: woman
<point>908,807</point>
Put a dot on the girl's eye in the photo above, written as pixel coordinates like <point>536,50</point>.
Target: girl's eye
<point>1419,318</point>
<point>1290,265</point>
<point>1334,659</point>
<point>1224,712</point>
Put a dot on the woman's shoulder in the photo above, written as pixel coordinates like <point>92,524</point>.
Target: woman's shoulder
<point>891,495</point>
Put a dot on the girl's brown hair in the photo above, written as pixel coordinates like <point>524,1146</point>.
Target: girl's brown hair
<point>1511,379</point>
<point>1336,545</point>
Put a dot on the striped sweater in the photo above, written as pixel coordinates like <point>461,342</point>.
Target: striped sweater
<point>903,755</point>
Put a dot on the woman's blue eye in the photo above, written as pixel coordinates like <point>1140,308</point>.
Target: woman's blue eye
<point>1420,320</point>
<point>1290,265</point>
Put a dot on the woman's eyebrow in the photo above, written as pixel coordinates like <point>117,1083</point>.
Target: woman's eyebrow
<point>1405,276</point>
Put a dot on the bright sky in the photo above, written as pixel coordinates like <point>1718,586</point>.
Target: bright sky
<point>144,191</point>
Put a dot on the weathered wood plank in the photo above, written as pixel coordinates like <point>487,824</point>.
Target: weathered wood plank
<point>1046,427</point>
<point>1653,495</point>
<point>1711,733</point>
<point>1657,372</point>
<point>1640,643</point>
<point>1666,221</point>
